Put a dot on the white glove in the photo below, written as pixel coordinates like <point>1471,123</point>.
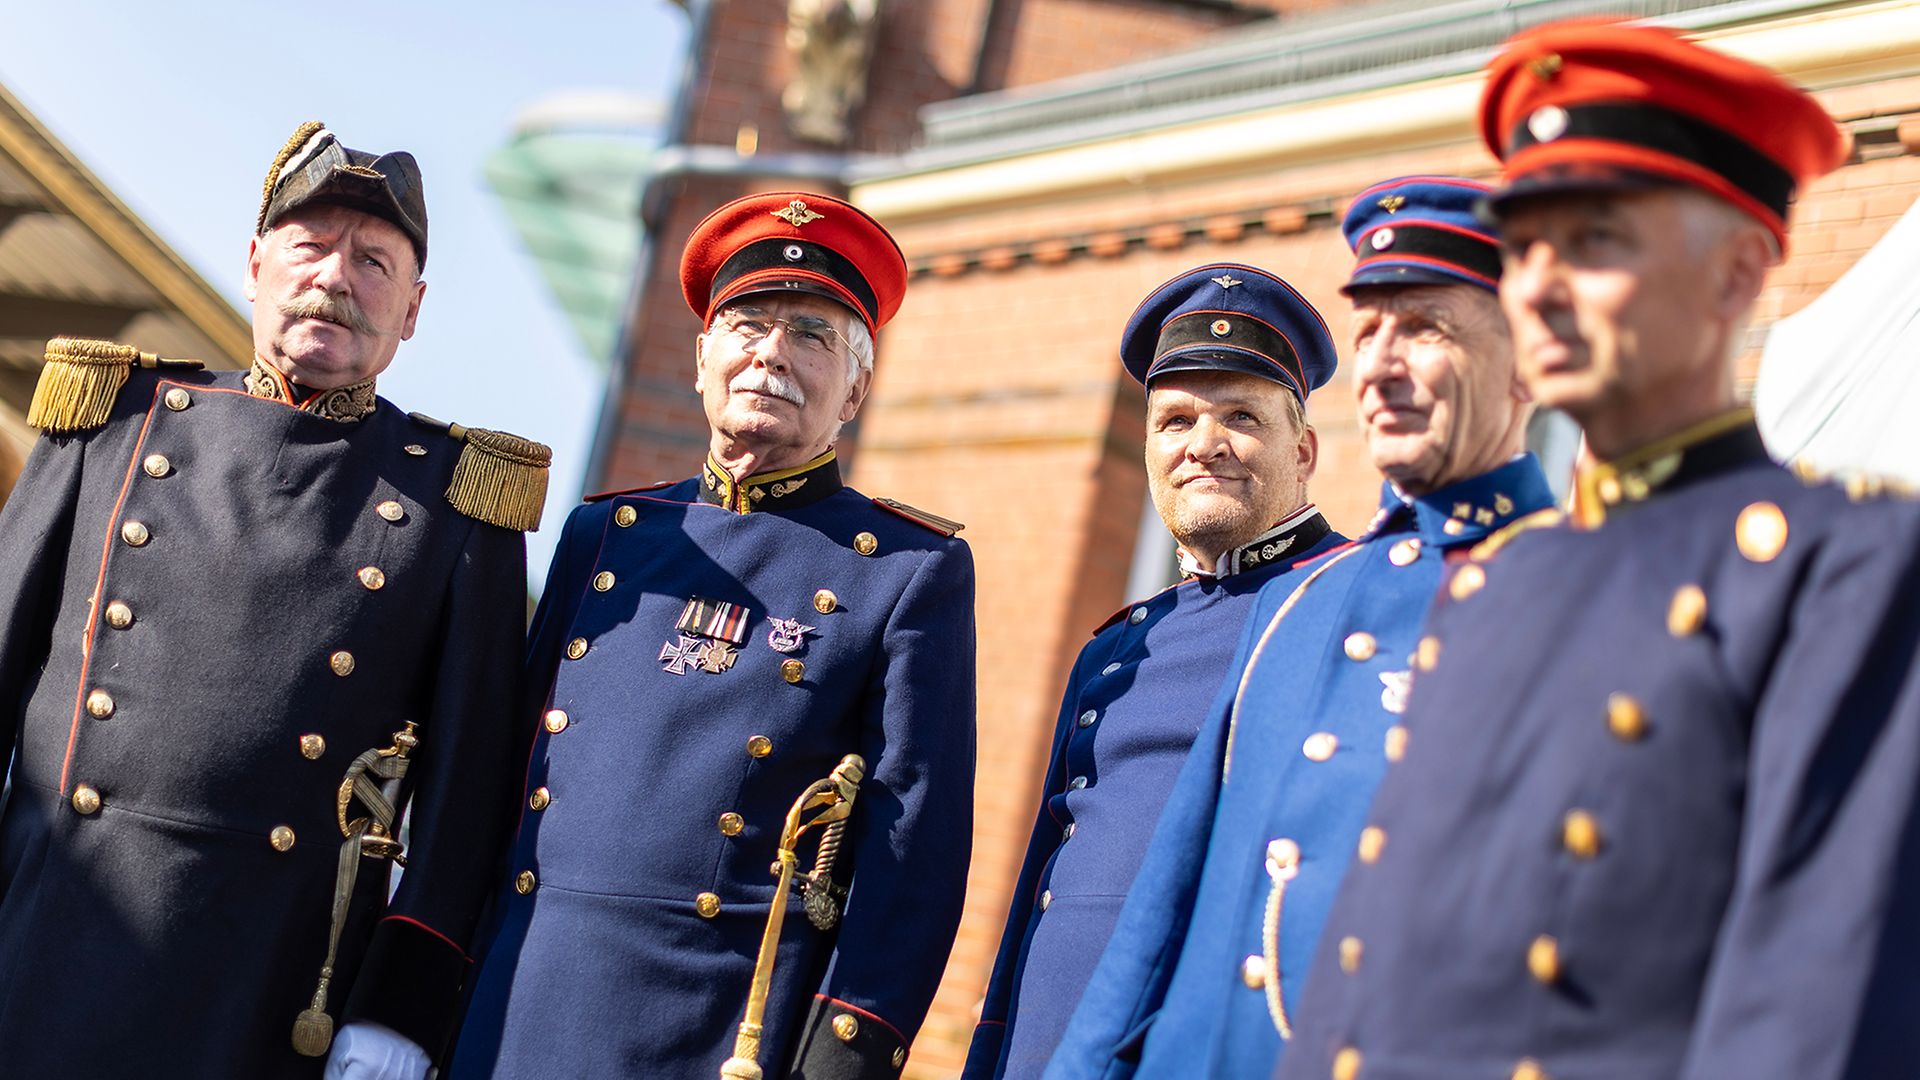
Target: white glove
<point>363,1051</point>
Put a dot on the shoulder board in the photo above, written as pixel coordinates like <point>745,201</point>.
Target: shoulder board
<point>617,492</point>
<point>500,479</point>
<point>82,378</point>
<point>1539,519</point>
<point>943,526</point>
<point>1860,485</point>
<point>1127,608</point>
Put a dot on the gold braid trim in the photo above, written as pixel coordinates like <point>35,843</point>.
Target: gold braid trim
<point>300,136</point>
<point>81,379</point>
<point>500,479</point>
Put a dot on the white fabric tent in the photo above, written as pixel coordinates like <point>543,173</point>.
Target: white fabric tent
<point>1839,389</point>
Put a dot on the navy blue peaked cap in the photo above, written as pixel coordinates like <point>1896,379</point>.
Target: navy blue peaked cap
<point>1229,317</point>
<point>1421,230</point>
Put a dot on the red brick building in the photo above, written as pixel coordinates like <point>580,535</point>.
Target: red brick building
<point>1046,163</point>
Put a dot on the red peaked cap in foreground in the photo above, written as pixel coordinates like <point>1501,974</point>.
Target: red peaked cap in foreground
<point>798,241</point>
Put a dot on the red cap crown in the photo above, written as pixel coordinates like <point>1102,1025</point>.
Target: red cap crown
<point>1582,104</point>
<point>794,241</point>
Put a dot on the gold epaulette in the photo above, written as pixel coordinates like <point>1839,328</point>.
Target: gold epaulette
<point>500,479</point>
<point>81,379</point>
<point>1539,519</point>
<point>1860,485</point>
<point>943,526</point>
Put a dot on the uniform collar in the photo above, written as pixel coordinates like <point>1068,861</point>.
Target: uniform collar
<point>346,404</point>
<point>783,489</point>
<point>1299,531</point>
<point>1724,442</point>
<point>1466,511</point>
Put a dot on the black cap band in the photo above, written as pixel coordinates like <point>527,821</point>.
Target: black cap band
<point>1199,332</point>
<point>1473,254</point>
<point>1676,135</point>
<point>798,255</point>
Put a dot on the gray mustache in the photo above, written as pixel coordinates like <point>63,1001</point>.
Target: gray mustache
<point>319,304</point>
<point>760,380</point>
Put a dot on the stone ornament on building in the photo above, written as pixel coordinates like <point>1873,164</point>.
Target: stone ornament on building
<point>831,42</point>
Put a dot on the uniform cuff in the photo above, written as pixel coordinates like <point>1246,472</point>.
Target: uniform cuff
<point>410,982</point>
<point>845,1042</point>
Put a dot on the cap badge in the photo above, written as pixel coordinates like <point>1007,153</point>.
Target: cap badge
<point>1547,123</point>
<point>1227,281</point>
<point>1545,67</point>
<point>1392,203</point>
<point>793,252</point>
<point>1382,239</point>
<point>796,213</point>
<point>1221,328</point>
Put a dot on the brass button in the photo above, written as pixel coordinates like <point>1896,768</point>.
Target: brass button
<point>576,648</point>
<point>845,1027</point>
<point>119,615</point>
<point>1373,839</point>
<point>731,824</point>
<point>1427,655</point>
<point>1625,718</point>
<point>135,534</point>
<point>1543,958</point>
<point>1253,972</point>
<point>85,799</point>
<point>1466,581</point>
<point>899,1056</point>
<point>415,449</point>
<point>1581,833</point>
<point>707,904</point>
<point>556,721</point>
<point>1529,1069</point>
<point>1320,746</point>
<point>792,670</point>
<point>603,581</point>
<point>540,799</point>
<point>1396,743</point>
<point>156,465</point>
<point>1346,1064</point>
<point>524,882</point>
<point>178,399</point>
<point>1138,616</point>
<point>1760,532</point>
<point>1078,783</point>
<point>1404,553</point>
<point>100,704</point>
<point>390,510</point>
<point>1361,646</point>
<point>625,516</point>
<point>1283,855</point>
<point>281,838</point>
<point>865,543</point>
<point>1087,718</point>
<point>341,662</point>
<point>312,746</point>
<point>1688,612</point>
<point>372,577</point>
<point>825,602</point>
<point>1046,899</point>
<point>1609,489</point>
<point>1350,950</point>
<point>759,746</point>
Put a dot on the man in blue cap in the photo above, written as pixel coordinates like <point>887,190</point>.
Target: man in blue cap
<point>1215,941</point>
<point>1228,354</point>
<point>1656,816</point>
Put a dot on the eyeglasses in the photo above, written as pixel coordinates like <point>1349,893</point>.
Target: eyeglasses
<point>810,334</point>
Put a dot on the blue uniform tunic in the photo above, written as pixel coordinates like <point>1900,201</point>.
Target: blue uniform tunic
<point>635,893</point>
<point>1656,812</point>
<point>1215,940</point>
<point>1132,705</point>
<point>216,601</point>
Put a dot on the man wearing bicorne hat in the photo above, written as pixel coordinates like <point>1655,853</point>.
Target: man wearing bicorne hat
<point>1654,815</point>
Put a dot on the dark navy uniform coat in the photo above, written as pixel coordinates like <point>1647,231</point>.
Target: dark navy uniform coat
<point>1214,944</point>
<point>637,889</point>
<point>191,659</point>
<point>1133,702</point>
<point>1656,812</point>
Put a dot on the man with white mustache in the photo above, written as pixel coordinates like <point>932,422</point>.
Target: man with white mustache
<point>704,652</point>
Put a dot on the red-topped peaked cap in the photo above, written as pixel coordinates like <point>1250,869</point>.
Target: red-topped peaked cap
<point>794,241</point>
<point>1587,105</point>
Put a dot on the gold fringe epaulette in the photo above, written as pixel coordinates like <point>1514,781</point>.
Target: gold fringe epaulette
<point>1539,519</point>
<point>943,526</point>
<point>500,479</point>
<point>81,380</point>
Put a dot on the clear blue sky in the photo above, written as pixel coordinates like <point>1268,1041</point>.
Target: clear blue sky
<point>179,108</point>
